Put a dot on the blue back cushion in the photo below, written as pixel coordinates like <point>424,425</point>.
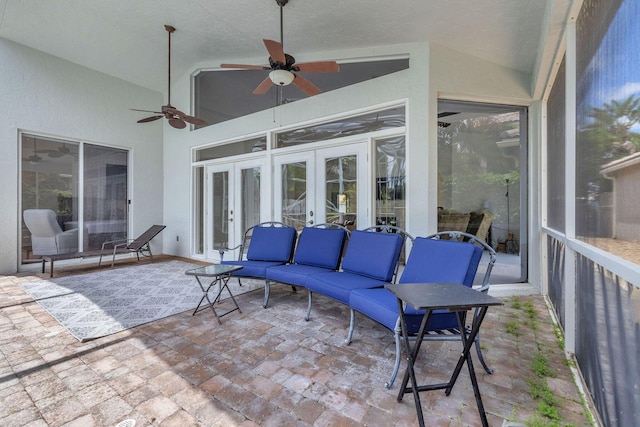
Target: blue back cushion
<point>433,260</point>
<point>320,247</point>
<point>372,254</point>
<point>271,244</point>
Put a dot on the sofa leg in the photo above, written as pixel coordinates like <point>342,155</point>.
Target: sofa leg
<point>266,294</point>
<point>396,366</point>
<point>487,369</point>
<point>308,316</point>
<point>352,323</point>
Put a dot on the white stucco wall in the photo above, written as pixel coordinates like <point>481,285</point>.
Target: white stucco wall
<point>43,94</point>
<point>433,72</point>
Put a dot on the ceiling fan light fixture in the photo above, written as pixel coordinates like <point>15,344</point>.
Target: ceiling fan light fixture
<point>281,77</point>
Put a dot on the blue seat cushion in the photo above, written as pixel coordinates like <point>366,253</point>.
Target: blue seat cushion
<point>271,244</point>
<point>252,268</point>
<point>372,254</point>
<point>430,261</point>
<point>320,247</point>
<point>381,305</point>
<point>433,261</point>
<point>293,274</point>
<point>337,285</point>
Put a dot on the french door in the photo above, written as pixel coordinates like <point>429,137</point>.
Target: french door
<point>326,185</point>
<point>233,204</point>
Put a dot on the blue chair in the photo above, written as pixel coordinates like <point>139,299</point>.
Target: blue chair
<point>370,261</point>
<point>432,259</point>
<point>319,249</point>
<point>267,244</point>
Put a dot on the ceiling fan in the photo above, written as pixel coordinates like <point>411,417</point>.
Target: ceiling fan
<point>176,118</point>
<point>444,124</point>
<point>34,158</point>
<point>284,67</point>
<point>63,150</point>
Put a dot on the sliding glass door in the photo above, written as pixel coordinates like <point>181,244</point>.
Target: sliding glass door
<point>83,187</point>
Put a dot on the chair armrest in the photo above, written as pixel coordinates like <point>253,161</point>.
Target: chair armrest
<point>222,250</point>
<point>484,288</point>
<point>112,242</point>
<point>67,241</point>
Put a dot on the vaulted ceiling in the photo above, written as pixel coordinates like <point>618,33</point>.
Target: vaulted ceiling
<point>127,39</point>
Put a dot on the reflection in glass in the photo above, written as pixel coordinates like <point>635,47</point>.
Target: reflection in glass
<point>357,125</point>
<point>390,181</point>
<point>341,182</point>
<point>250,197</point>
<point>105,195</point>
<point>220,199</point>
<point>198,210</point>
<point>49,181</point>
<point>608,127</point>
<point>294,194</point>
<point>251,145</point>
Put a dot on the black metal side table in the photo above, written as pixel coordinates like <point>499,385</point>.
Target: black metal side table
<point>455,298</point>
<point>221,273</point>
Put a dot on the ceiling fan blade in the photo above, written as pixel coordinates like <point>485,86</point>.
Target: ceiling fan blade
<point>276,52</point>
<point>318,67</point>
<point>263,87</point>
<point>245,67</point>
<point>177,123</point>
<point>150,119</point>
<point>174,112</point>
<point>146,111</point>
<point>306,86</point>
<point>194,120</point>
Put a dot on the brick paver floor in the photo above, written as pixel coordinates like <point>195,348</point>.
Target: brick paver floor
<point>266,367</point>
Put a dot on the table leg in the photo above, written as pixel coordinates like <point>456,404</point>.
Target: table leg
<point>411,357</point>
<point>224,284</point>
<point>205,293</point>
<point>467,343</point>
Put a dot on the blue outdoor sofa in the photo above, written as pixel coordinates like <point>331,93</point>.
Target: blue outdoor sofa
<point>319,250</point>
<point>370,261</point>
<point>267,244</point>
<point>441,257</point>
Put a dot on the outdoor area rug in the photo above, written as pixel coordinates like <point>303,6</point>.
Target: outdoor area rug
<point>102,303</point>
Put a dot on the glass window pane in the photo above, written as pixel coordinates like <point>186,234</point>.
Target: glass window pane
<point>222,95</point>
<point>357,125</point>
<point>608,127</point>
<point>294,194</point>
<point>250,194</point>
<point>246,146</point>
<point>105,195</point>
<point>390,181</point>
<point>198,210</point>
<point>341,181</point>
<point>49,181</point>
<point>220,199</point>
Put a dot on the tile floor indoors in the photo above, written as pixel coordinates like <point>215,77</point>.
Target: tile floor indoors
<point>266,367</point>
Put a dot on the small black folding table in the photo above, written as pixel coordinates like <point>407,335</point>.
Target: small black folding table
<point>452,297</point>
<point>221,273</point>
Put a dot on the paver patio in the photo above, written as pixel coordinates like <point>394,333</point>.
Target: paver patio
<point>265,367</point>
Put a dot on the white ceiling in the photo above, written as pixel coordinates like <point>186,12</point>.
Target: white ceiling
<point>127,39</point>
